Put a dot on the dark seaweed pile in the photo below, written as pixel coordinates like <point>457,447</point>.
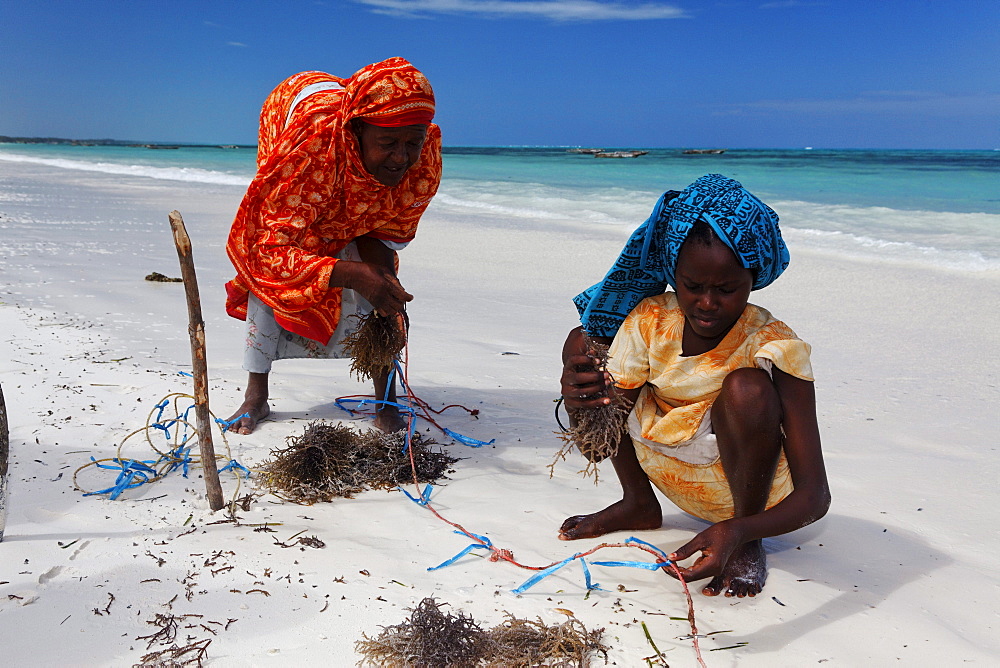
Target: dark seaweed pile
<point>332,460</point>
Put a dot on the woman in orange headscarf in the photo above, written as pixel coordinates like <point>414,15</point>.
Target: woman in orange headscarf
<point>345,169</point>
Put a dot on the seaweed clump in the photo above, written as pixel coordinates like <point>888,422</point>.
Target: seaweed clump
<point>431,638</point>
<point>332,460</point>
<point>374,345</point>
<point>157,277</point>
<point>523,642</point>
<point>596,432</point>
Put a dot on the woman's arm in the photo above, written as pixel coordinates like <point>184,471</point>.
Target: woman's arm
<point>374,277</point>
<point>810,498</point>
<point>808,501</point>
<point>375,252</point>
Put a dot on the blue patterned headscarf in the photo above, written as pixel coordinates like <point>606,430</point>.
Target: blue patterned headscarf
<point>647,263</point>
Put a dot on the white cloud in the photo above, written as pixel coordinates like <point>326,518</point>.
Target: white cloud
<point>235,44</point>
<point>900,103</point>
<point>556,10</point>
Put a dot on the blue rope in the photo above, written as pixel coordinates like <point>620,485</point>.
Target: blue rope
<point>234,465</point>
<point>645,565</point>
<point>485,545</point>
<point>466,440</point>
<point>180,419</point>
<point>226,424</point>
<point>586,577</point>
<point>132,474</point>
<point>180,456</point>
<point>156,423</point>
<point>425,496</point>
<point>632,540</point>
<point>649,566</point>
<point>541,575</point>
<point>409,409</point>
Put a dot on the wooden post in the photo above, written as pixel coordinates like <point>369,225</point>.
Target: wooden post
<point>4,452</point>
<point>196,328</point>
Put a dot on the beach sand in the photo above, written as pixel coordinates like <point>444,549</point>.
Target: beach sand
<point>902,571</point>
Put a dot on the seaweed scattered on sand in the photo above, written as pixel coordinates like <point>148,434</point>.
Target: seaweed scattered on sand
<point>596,432</point>
<point>157,277</point>
<point>195,653</point>
<point>431,638</point>
<point>332,460</point>
<point>374,345</point>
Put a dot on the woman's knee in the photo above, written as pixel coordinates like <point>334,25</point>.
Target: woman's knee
<point>749,392</point>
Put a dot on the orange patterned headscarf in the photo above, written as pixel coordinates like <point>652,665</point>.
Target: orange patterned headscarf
<point>312,194</point>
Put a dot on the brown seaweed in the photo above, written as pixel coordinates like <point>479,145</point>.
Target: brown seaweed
<point>523,642</point>
<point>374,345</point>
<point>596,432</point>
<point>432,638</point>
<point>332,460</point>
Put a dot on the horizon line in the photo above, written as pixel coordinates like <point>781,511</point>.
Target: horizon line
<point>125,143</point>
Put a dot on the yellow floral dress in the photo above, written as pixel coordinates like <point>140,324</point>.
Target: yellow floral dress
<point>672,438</point>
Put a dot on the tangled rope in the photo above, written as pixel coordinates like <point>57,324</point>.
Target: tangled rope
<point>180,439</point>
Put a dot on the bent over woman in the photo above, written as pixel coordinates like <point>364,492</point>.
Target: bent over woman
<point>345,169</point>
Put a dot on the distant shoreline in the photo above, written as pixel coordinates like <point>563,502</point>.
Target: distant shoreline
<point>62,141</point>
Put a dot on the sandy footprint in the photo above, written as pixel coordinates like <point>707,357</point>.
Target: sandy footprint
<point>43,515</point>
<point>79,549</point>
<point>49,574</point>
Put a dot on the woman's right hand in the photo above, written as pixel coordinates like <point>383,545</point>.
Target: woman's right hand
<point>583,385</point>
<point>374,282</point>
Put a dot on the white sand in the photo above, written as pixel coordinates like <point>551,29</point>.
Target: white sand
<point>902,571</point>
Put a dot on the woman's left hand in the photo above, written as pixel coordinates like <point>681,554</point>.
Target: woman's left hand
<point>716,544</point>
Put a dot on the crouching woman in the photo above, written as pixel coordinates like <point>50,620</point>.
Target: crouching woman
<point>720,397</point>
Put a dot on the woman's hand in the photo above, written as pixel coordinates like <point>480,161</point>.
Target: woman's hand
<point>582,384</point>
<point>374,282</point>
<point>716,544</point>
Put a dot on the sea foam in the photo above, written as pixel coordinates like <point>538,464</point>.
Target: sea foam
<point>189,174</point>
<point>943,239</point>
<point>946,240</point>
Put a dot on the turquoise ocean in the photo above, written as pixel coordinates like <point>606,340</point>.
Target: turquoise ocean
<point>934,208</point>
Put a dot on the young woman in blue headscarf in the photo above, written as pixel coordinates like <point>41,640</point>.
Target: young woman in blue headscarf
<point>720,397</point>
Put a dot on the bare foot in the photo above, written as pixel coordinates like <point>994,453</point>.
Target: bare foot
<point>248,415</point>
<point>619,516</point>
<point>389,421</point>
<point>744,575</point>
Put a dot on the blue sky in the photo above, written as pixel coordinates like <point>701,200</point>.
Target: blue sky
<point>780,73</point>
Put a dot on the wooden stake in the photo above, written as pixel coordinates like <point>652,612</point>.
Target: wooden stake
<point>4,451</point>
<point>196,328</point>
